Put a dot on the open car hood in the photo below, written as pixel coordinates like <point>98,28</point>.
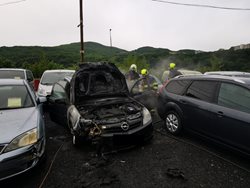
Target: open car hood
<point>97,80</point>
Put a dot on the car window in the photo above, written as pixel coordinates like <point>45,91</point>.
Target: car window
<point>30,76</point>
<point>15,96</point>
<point>233,96</point>
<point>177,86</point>
<point>58,92</point>
<point>16,74</point>
<point>203,90</point>
<point>49,78</point>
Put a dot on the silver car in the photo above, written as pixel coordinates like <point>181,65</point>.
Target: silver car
<point>22,131</point>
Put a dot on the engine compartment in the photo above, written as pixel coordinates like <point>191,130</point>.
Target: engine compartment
<point>111,113</point>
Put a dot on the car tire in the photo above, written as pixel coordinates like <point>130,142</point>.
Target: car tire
<point>173,122</point>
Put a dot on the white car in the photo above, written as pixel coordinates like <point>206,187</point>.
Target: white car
<point>50,77</point>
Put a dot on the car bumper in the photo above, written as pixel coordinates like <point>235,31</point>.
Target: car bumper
<point>144,132</point>
<point>20,160</point>
<point>120,141</point>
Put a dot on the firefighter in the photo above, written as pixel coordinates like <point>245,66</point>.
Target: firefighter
<point>132,73</point>
<point>148,82</point>
<point>170,73</point>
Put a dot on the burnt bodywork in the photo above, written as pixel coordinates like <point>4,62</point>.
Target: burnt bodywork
<point>101,106</point>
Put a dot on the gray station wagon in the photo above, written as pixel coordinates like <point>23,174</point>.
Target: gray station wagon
<point>215,107</point>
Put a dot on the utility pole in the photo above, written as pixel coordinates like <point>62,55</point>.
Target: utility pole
<point>110,37</point>
<point>81,33</point>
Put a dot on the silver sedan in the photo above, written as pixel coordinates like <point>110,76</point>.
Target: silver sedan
<point>22,131</point>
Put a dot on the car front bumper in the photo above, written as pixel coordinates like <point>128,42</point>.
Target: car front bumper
<point>20,160</point>
<point>141,132</point>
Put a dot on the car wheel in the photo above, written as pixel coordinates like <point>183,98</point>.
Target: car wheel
<point>173,122</point>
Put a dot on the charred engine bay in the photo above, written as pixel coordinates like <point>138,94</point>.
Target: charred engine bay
<point>112,113</point>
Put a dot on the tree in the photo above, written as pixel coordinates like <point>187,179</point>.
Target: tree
<point>6,63</point>
<point>42,65</point>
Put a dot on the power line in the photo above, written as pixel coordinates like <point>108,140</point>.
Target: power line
<point>12,2</point>
<point>200,5</point>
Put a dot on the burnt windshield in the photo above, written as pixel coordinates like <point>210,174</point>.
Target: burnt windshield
<point>14,96</point>
<point>16,74</point>
<point>99,83</point>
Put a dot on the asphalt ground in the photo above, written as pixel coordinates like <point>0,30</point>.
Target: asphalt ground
<point>165,161</point>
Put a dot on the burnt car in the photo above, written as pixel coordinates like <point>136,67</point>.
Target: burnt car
<point>95,103</point>
<point>214,107</point>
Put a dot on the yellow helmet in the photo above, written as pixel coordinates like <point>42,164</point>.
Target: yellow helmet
<point>172,65</point>
<point>144,72</point>
<point>133,67</point>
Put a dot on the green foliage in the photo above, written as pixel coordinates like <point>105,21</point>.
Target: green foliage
<point>39,59</point>
<point>215,64</point>
<point>6,63</point>
<point>39,67</point>
<point>140,61</point>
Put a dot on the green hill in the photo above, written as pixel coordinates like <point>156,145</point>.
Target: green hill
<point>40,58</point>
<point>64,54</point>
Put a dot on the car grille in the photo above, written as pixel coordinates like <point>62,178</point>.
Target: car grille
<point>1,148</point>
<point>118,129</point>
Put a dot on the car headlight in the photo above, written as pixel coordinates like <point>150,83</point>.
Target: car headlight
<point>25,139</point>
<point>146,116</point>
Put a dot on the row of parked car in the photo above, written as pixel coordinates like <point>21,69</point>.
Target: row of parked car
<point>22,134</point>
<point>96,102</point>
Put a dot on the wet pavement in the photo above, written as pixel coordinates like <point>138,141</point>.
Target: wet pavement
<point>163,162</point>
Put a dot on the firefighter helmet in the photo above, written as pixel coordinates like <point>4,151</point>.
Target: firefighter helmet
<point>133,67</point>
<point>172,65</point>
<point>144,72</point>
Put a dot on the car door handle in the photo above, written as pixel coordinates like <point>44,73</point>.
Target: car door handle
<point>220,113</point>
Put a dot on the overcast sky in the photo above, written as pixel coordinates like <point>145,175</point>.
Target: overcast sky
<point>134,23</point>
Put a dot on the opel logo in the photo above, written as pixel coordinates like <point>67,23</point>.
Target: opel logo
<point>124,126</point>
